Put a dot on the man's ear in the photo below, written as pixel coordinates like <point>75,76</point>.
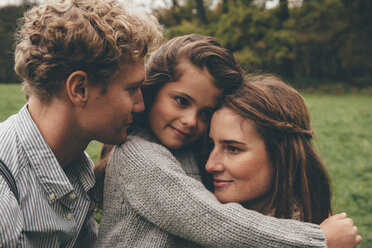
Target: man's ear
<point>76,87</point>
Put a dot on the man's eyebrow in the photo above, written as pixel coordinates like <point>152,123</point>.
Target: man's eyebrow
<point>136,84</point>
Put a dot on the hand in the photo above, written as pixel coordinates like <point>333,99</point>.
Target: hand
<point>340,231</point>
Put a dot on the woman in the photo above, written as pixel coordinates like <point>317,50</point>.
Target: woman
<point>264,158</point>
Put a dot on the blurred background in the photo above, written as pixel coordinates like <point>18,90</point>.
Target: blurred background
<point>321,47</point>
<point>314,44</point>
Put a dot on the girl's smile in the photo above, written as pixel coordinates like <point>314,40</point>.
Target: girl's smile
<point>182,109</point>
<point>181,134</point>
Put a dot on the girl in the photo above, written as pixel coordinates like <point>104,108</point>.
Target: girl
<point>264,158</point>
<point>153,196</point>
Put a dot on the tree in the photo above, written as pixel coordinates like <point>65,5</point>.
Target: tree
<point>322,39</point>
<point>283,12</point>
<point>201,13</point>
<point>8,19</point>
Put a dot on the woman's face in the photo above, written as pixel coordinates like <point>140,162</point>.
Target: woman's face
<point>181,110</point>
<point>239,161</point>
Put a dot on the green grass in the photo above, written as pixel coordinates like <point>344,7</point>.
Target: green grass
<point>11,100</point>
<point>343,125</point>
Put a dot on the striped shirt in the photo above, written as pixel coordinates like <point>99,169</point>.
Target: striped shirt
<point>54,209</point>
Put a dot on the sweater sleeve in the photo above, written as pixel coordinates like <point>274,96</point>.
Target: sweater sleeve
<point>156,187</point>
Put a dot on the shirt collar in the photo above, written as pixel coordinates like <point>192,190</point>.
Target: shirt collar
<point>84,169</point>
<point>50,173</point>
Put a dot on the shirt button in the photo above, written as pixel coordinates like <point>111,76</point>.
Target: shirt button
<point>69,216</point>
<point>52,196</point>
<point>72,196</point>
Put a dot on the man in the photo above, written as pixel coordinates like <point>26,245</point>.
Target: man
<point>82,63</point>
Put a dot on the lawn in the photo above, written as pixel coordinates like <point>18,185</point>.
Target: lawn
<point>343,125</point>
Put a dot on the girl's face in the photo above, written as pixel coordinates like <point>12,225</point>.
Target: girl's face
<point>239,161</point>
<point>182,109</point>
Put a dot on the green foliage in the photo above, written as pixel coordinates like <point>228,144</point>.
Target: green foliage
<point>248,59</point>
<point>322,39</point>
<point>242,26</point>
<point>256,36</point>
<point>184,28</point>
<point>332,40</point>
<point>8,18</point>
<point>174,15</point>
<point>278,52</point>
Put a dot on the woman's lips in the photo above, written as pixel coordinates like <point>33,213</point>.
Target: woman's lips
<point>218,183</point>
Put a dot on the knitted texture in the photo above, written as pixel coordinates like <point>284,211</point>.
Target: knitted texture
<point>154,198</point>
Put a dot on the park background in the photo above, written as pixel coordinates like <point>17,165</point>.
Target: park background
<point>321,47</point>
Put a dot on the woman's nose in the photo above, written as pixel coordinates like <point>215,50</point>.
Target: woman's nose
<point>214,163</point>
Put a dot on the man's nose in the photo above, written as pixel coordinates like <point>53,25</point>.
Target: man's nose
<point>138,104</point>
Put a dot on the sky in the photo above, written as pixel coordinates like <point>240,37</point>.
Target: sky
<point>5,2</point>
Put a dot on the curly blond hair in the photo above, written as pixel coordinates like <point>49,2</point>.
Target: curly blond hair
<point>59,37</point>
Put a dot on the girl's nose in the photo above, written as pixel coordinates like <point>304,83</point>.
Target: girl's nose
<point>190,119</point>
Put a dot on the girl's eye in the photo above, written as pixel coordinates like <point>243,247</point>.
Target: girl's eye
<point>181,101</point>
<point>233,149</point>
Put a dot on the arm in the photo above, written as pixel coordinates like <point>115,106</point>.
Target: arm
<point>158,189</point>
<point>10,217</point>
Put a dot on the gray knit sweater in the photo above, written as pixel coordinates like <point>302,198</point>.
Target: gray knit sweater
<point>154,198</point>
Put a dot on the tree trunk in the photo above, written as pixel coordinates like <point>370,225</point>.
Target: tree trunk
<point>174,9</point>
<point>201,11</point>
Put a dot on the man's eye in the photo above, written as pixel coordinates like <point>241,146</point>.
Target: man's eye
<point>181,101</point>
<point>133,89</point>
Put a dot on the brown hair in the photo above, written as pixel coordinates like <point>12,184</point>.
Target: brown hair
<point>282,119</point>
<point>203,52</point>
<point>58,37</point>
<point>162,67</point>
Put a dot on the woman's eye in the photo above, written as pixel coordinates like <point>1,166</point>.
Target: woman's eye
<point>233,149</point>
<point>181,101</point>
